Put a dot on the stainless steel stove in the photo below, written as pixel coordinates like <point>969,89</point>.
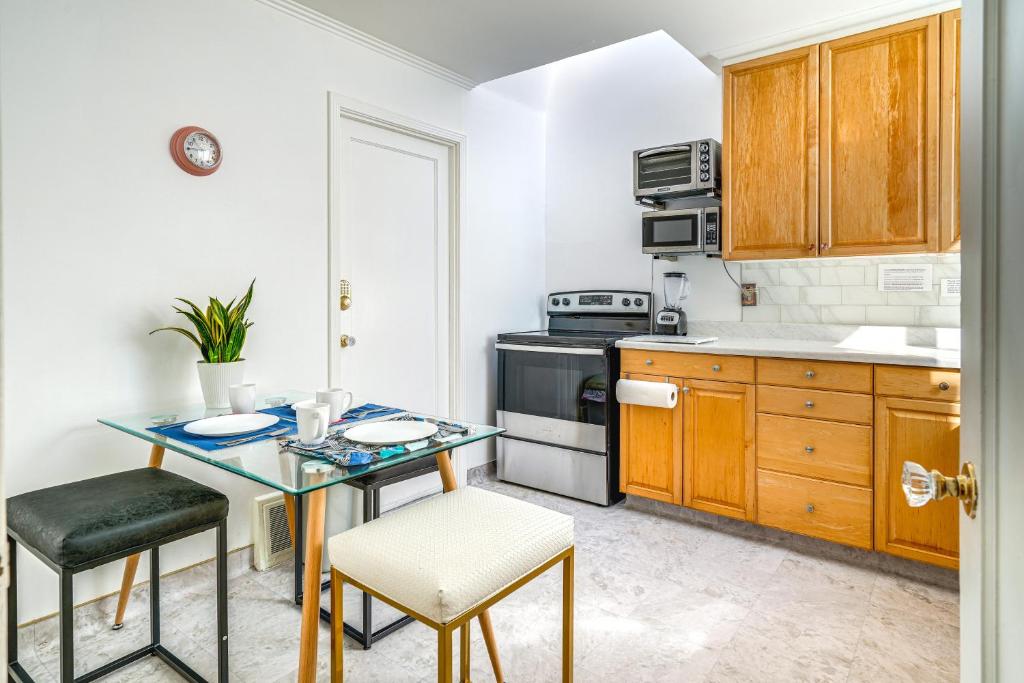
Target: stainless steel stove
<point>556,394</point>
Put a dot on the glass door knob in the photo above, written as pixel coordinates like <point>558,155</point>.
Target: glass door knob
<point>921,486</point>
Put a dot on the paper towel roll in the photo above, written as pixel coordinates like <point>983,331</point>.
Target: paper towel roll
<point>653,394</point>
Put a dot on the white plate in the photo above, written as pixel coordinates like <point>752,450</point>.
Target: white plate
<point>386,433</point>
<point>231,425</point>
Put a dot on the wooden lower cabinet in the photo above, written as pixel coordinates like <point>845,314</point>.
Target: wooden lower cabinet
<point>927,432</point>
<point>834,512</point>
<point>651,448</point>
<point>718,435</point>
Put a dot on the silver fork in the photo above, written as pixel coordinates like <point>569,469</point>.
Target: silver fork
<point>247,439</point>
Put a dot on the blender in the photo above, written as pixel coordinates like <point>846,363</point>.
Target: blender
<point>671,320</point>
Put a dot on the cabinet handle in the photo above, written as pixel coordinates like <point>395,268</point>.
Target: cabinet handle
<point>943,386</point>
<point>686,390</point>
<point>648,362</point>
<point>809,374</point>
<point>810,247</point>
<point>809,404</point>
<point>716,367</point>
<point>809,449</point>
<point>810,507</point>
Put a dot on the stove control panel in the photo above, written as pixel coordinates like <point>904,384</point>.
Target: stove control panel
<point>599,302</point>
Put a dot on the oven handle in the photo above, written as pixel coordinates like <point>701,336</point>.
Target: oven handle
<point>663,150</point>
<point>567,350</point>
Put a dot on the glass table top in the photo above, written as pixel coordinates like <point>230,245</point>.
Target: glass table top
<point>268,462</point>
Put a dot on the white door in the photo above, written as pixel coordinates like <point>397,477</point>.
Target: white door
<point>992,431</point>
<point>389,241</point>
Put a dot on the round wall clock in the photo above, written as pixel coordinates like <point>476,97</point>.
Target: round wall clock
<point>195,150</point>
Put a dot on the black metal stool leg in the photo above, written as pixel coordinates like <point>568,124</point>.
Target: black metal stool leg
<point>12,601</point>
<point>67,627</point>
<point>222,602</point>
<point>369,496</point>
<point>154,595</point>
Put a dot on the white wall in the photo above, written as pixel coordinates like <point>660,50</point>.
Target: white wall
<point>601,106</point>
<point>102,230</point>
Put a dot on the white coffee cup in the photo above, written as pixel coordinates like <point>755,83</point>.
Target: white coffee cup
<point>339,400</point>
<point>312,419</point>
<point>243,398</point>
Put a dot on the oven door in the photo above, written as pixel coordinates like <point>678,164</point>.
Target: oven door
<point>673,232</point>
<point>554,395</point>
<point>664,170</point>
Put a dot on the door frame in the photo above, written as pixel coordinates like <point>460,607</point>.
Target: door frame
<point>991,209</point>
<point>341,107</point>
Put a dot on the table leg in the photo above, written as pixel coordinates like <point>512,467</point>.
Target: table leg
<point>311,576</point>
<point>131,565</point>
<point>450,483</point>
<point>289,510</point>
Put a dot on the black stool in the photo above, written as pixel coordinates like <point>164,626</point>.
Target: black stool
<point>85,524</point>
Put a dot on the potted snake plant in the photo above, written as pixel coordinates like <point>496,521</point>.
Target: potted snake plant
<point>219,335</point>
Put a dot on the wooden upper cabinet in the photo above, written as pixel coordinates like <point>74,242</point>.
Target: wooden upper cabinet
<point>879,140</point>
<point>770,156</point>
<point>719,467</point>
<point>949,135</point>
<point>651,448</point>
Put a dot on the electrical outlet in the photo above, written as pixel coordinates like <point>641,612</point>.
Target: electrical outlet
<point>748,294</point>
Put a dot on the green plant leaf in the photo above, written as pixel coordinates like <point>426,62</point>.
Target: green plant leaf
<point>220,330</point>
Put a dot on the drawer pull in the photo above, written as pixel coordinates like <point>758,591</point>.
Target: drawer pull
<point>810,507</point>
<point>809,374</point>
<point>943,386</point>
<point>809,404</point>
<point>686,390</point>
<point>648,362</point>
<point>809,449</point>
<point>716,367</point>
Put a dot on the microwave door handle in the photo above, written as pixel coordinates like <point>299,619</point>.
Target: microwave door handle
<point>662,150</point>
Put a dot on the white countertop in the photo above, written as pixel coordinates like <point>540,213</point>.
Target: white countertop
<point>855,348</point>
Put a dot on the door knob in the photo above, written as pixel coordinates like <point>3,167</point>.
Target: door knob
<point>921,486</point>
<point>347,341</point>
<point>345,295</point>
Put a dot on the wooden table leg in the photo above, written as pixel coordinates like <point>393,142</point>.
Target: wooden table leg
<point>317,472</point>
<point>131,565</point>
<point>450,483</point>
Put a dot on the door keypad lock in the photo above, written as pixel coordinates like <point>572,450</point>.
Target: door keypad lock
<point>345,295</point>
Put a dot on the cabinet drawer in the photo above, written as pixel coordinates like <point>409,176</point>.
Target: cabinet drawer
<point>820,405</point>
<point>814,374</point>
<point>693,365</point>
<point>834,512</point>
<point>815,448</point>
<point>928,383</point>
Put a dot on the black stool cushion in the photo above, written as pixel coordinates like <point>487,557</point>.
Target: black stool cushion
<point>74,524</point>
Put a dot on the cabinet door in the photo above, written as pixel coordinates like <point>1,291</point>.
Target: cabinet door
<point>879,141</point>
<point>949,134</point>
<point>770,156</point>
<point>651,448</point>
<point>927,432</point>
<point>719,469</point>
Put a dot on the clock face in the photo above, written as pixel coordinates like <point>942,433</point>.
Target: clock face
<point>202,150</point>
<point>196,151</point>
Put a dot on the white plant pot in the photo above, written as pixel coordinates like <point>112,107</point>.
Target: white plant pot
<point>215,378</point>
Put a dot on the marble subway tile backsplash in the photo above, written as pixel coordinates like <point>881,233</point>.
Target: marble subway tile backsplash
<point>844,291</point>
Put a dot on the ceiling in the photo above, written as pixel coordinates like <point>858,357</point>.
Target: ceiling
<point>485,39</point>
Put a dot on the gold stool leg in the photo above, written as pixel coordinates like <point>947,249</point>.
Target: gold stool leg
<point>444,654</point>
<point>337,627</point>
<point>464,653</point>
<point>567,616</point>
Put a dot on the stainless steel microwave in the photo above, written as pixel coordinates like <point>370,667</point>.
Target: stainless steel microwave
<point>679,170</point>
<point>683,231</point>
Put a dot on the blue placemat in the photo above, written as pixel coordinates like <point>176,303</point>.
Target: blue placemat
<point>367,411</point>
<point>213,443</point>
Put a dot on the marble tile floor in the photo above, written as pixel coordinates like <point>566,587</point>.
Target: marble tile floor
<point>657,599</point>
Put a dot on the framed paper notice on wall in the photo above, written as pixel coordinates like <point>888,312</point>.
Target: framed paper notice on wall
<point>905,278</point>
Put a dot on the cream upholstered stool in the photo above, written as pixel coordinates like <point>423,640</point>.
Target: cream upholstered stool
<point>447,559</point>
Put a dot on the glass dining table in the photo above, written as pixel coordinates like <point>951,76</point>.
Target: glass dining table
<point>304,480</point>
